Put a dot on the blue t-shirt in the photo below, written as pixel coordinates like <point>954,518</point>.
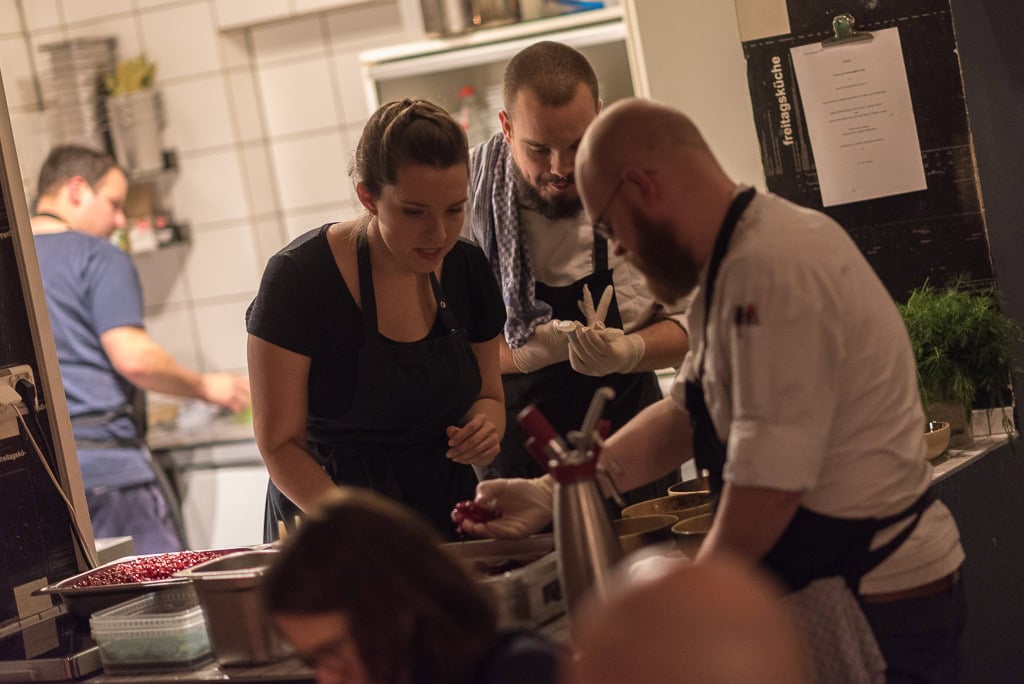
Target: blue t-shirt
<point>91,286</point>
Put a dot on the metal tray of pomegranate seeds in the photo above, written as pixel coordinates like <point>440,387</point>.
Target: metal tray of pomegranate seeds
<point>127,578</point>
<point>519,577</point>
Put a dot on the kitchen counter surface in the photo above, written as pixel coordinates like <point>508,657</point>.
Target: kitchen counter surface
<point>216,430</point>
<point>953,460</point>
<point>291,670</point>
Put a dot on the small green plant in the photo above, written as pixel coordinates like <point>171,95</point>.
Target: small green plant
<point>963,343</point>
<point>131,76</point>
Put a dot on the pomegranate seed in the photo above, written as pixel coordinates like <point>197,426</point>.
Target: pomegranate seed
<point>146,568</point>
<point>473,511</point>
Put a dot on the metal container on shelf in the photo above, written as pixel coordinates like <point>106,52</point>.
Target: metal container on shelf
<point>450,17</point>
<point>240,631</point>
<point>71,79</point>
<point>136,124</point>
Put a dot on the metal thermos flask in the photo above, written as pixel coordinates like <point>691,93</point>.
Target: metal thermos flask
<point>586,543</point>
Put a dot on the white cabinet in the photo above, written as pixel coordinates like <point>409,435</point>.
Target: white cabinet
<point>437,69</point>
<point>241,14</point>
<point>685,53</point>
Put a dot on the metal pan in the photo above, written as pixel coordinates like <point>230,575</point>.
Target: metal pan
<point>84,601</point>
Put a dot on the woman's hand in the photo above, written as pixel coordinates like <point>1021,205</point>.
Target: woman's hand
<point>476,443</point>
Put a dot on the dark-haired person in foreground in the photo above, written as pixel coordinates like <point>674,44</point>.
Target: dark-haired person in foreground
<point>373,348</point>
<point>366,595</point>
<point>106,357</point>
<point>527,217</point>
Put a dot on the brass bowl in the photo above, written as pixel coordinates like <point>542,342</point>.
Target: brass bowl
<point>936,438</point>
<point>641,530</point>
<point>690,533</point>
<point>680,505</point>
<point>700,485</point>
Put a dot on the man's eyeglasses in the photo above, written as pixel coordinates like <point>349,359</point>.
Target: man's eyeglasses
<point>601,227</point>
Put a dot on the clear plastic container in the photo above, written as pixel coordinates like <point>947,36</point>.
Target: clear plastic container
<point>157,631</point>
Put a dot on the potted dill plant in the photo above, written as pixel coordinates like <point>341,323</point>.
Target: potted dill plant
<point>964,346</point>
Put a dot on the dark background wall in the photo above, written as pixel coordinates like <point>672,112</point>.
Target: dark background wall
<point>932,234</point>
<point>989,41</point>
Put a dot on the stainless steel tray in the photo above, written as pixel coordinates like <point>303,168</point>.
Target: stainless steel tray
<point>84,601</point>
<point>228,587</point>
<point>519,576</point>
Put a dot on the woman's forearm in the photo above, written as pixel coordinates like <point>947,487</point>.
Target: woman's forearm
<point>493,409</point>
<point>296,474</point>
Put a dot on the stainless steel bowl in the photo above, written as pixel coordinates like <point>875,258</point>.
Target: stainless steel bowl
<point>639,531</point>
<point>680,505</point>
<point>700,485</point>
<point>690,533</point>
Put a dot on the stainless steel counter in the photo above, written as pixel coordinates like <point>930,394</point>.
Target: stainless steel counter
<point>291,670</point>
<point>214,474</point>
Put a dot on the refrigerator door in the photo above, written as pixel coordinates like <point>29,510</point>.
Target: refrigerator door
<point>687,54</point>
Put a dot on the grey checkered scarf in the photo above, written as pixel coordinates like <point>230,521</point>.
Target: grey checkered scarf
<point>495,205</point>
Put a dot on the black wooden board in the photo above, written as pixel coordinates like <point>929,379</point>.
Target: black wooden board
<point>932,234</point>
<point>35,526</point>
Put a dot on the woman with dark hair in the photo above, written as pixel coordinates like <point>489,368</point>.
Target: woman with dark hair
<point>365,594</point>
<point>373,343</point>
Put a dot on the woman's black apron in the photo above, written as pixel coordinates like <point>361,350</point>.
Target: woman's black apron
<point>393,438</point>
<point>813,545</point>
<point>563,395</point>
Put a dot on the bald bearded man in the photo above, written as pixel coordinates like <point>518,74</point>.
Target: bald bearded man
<point>799,394</point>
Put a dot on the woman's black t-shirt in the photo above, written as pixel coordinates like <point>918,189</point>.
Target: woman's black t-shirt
<point>304,306</point>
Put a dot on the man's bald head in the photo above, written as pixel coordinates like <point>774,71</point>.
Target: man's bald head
<point>648,180</point>
<point>710,622</point>
<point>642,133</point>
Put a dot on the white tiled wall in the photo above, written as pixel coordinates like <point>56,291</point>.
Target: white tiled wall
<point>263,118</point>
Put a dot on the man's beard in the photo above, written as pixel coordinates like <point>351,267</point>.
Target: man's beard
<point>562,206</point>
<point>670,272</point>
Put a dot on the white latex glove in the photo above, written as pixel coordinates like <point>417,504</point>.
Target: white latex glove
<point>599,351</point>
<point>595,316</point>
<point>546,346</point>
<point>525,506</point>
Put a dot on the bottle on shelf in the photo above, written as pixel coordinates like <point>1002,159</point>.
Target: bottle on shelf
<point>470,115</point>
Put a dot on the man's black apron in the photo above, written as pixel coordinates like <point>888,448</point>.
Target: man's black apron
<point>813,545</point>
<point>563,395</point>
<point>393,438</point>
<point>134,410</point>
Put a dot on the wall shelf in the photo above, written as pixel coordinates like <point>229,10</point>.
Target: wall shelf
<point>580,29</point>
<point>438,69</point>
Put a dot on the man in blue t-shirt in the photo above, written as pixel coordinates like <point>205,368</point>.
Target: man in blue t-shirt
<point>106,357</point>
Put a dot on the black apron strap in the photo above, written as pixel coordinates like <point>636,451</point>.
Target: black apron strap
<point>732,218</point>
<point>709,450</point>
<point>447,317</point>
<point>600,252</point>
<point>875,557</point>
<point>367,298</point>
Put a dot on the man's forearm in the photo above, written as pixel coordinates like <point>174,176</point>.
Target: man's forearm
<point>505,359</point>
<point>749,521</point>
<point>665,345</point>
<point>157,371</point>
<point>653,443</point>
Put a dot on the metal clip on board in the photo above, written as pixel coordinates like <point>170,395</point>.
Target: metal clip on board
<point>842,27</point>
